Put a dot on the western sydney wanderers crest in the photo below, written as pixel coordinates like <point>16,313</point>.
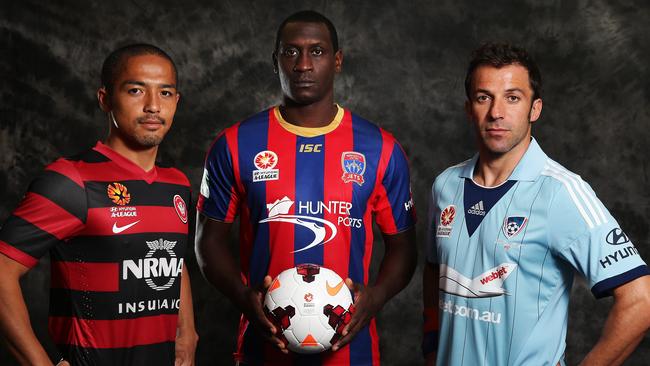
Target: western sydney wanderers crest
<point>181,208</point>
<point>513,225</point>
<point>447,217</point>
<point>265,161</point>
<point>354,165</point>
<point>118,193</point>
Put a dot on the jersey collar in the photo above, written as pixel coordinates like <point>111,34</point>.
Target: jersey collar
<point>147,176</point>
<point>309,131</point>
<point>528,168</point>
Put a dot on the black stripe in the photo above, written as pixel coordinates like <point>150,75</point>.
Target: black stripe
<point>135,296</point>
<point>155,354</point>
<point>89,156</point>
<point>142,193</point>
<point>61,190</point>
<point>27,237</point>
<point>115,248</point>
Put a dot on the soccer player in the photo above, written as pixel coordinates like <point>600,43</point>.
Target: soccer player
<point>115,225</point>
<point>306,177</point>
<point>508,230</point>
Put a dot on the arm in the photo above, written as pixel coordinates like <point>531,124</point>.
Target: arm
<point>219,267</point>
<point>430,285</point>
<point>186,337</point>
<point>627,323</point>
<point>14,318</point>
<point>395,272</point>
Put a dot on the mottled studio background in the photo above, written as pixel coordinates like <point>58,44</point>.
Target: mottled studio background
<point>404,67</point>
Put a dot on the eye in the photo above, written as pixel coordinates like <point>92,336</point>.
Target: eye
<point>512,99</point>
<point>482,98</point>
<point>317,51</point>
<point>290,52</point>
<point>135,91</point>
<point>167,93</point>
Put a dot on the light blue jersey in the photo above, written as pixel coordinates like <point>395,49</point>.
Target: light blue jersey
<point>507,256</point>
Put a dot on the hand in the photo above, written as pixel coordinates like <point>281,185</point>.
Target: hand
<point>367,303</point>
<point>253,309</point>
<point>185,349</point>
<point>63,363</point>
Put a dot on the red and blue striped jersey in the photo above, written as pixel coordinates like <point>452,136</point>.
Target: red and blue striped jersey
<point>307,195</point>
<point>116,236</point>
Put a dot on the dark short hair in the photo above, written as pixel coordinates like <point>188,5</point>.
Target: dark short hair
<point>116,59</point>
<point>308,16</point>
<point>503,54</point>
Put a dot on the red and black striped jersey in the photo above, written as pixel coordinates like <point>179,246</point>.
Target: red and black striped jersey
<point>117,236</point>
<point>307,195</point>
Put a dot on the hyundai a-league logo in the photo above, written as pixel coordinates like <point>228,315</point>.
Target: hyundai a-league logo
<point>513,225</point>
<point>354,165</point>
<point>265,161</point>
<point>446,219</point>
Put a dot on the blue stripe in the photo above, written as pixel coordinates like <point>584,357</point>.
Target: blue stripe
<point>310,178</point>
<point>605,287</point>
<point>366,140</point>
<point>220,180</point>
<point>398,188</point>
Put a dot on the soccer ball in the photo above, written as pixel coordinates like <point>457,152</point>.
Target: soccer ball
<point>310,305</point>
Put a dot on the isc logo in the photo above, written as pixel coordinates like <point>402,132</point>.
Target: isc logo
<point>311,148</point>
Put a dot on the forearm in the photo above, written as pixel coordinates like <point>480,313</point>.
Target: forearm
<point>15,325</point>
<point>430,278</point>
<point>397,265</point>
<point>186,311</point>
<point>627,323</point>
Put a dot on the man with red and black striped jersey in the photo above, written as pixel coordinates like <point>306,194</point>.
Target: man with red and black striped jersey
<point>115,225</point>
<point>307,177</point>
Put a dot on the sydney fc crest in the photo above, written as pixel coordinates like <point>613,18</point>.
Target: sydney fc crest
<point>513,225</point>
<point>354,165</point>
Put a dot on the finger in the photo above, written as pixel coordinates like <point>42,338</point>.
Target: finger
<point>349,283</point>
<point>267,282</point>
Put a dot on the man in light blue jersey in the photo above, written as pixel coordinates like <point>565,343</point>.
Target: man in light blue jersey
<point>507,231</point>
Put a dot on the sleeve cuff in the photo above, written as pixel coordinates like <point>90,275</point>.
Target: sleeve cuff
<point>605,287</point>
<point>17,255</point>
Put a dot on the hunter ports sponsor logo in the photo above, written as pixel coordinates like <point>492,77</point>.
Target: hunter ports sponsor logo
<point>118,194</point>
<point>447,217</point>
<point>487,284</point>
<point>617,237</point>
<point>159,268</point>
<point>265,161</point>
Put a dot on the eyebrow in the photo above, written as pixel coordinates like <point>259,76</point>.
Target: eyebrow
<point>507,91</point>
<point>141,83</point>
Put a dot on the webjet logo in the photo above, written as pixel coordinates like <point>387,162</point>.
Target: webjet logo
<point>279,212</point>
<point>487,284</point>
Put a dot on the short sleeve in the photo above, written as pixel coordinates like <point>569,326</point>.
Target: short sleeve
<point>583,232</point>
<point>430,243</point>
<point>218,198</point>
<point>53,210</point>
<point>394,209</point>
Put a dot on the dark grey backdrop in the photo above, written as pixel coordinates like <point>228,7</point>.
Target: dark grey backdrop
<point>403,68</point>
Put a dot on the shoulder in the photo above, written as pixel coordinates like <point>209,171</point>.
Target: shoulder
<point>450,172</point>
<point>172,175</point>
<point>365,127</point>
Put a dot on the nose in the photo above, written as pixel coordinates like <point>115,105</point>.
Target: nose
<point>496,109</point>
<point>152,103</point>
<point>303,62</point>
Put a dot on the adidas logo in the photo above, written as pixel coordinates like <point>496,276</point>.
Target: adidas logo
<point>477,209</point>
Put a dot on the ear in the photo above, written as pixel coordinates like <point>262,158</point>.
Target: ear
<point>274,57</point>
<point>338,60</point>
<point>104,99</point>
<point>468,109</point>
<point>536,110</point>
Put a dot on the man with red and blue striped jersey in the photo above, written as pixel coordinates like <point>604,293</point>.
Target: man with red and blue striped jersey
<point>306,178</point>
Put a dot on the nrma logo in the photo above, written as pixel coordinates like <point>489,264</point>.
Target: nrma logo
<point>155,269</point>
<point>487,284</point>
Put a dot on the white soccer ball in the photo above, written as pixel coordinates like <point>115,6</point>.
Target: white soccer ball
<point>310,305</point>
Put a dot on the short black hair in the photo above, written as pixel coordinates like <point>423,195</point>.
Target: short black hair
<point>504,54</point>
<point>116,59</point>
<point>308,16</point>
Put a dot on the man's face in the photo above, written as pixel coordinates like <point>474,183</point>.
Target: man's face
<point>501,108</point>
<point>306,62</point>
<point>143,100</point>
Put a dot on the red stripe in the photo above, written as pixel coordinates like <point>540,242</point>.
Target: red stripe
<point>120,333</point>
<point>233,143</point>
<point>67,169</point>
<point>384,213</point>
<point>336,254</point>
<point>149,219</point>
<point>281,234</point>
<point>112,172</point>
<point>367,253</point>
<point>17,255</point>
<point>95,277</point>
<point>374,340</point>
<point>48,216</point>
<point>172,175</point>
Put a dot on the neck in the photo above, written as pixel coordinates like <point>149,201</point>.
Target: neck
<point>493,169</point>
<point>145,158</point>
<point>318,114</point>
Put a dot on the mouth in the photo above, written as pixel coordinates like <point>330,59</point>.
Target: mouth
<point>151,123</point>
<point>496,131</point>
<point>303,83</point>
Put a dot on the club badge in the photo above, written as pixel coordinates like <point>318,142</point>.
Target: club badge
<point>513,225</point>
<point>354,165</point>
<point>181,208</point>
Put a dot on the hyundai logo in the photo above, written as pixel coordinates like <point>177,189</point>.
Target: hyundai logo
<point>617,237</point>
